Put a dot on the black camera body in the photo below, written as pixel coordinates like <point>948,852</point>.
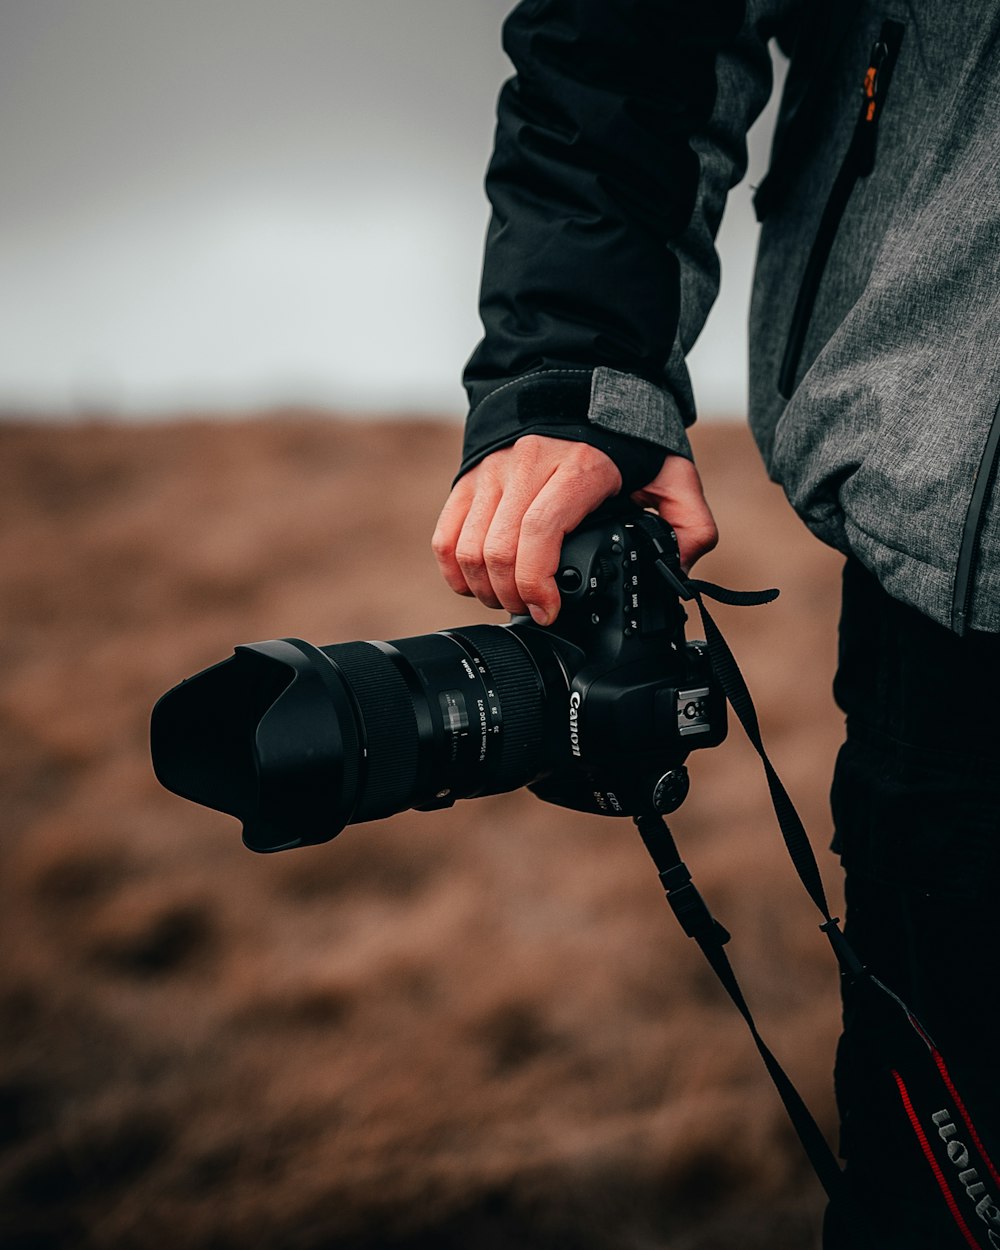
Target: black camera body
<point>638,697</point>
<point>597,712</point>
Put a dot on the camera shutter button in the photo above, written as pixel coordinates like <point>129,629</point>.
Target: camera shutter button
<point>569,579</point>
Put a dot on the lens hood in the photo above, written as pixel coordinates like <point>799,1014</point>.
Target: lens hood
<point>269,736</point>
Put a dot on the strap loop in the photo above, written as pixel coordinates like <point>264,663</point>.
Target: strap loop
<point>850,964</point>
<point>732,598</point>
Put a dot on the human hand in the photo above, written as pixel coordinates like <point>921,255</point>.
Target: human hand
<point>677,495</point>
<point>501,530</point>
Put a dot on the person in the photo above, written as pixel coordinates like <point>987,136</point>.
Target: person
<point>874,388</point>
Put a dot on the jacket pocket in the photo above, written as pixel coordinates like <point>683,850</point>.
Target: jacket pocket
<point>858,163</point>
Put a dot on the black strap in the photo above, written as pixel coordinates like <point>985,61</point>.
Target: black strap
<point>691,910</point>
<point>693,913</point>
<point>733,683</point>
<point>792,830</point>
<point>697,922</point>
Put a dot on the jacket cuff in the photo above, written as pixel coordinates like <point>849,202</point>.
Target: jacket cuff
<point>630,405</point>
<point>623,416</point>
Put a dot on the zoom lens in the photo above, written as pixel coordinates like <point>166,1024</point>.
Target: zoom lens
<point>298,741</point>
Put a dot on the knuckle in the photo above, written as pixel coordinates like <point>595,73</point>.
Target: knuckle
<point>575,475</point>
<point>592,459</point>
<point>530,444</point>
<point>705,537</point>
<point>493,474</point>
<point>469,556</point>
<point>442,545</point>
<point>534,454</point>
<point>533,587</point>
<point>538,524</point>
<point>499,555</point>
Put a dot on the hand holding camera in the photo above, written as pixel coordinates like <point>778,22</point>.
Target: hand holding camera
<point>499,534</point>
<point>598,715</point>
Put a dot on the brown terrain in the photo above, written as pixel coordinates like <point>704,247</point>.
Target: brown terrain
<point>477,1029</point>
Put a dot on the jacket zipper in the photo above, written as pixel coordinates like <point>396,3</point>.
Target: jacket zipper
<point>822,30</point>
<point>858,163</point>
<point>973,528</point>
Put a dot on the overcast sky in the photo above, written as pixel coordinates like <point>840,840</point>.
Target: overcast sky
<point>226,203</point>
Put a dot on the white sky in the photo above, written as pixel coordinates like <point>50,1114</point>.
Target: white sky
<point>232,203</point>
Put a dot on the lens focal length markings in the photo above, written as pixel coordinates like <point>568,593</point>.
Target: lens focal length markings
<point>466,726</point>
<point>477,741</point>
<point>455,716</point>
<point>512,719</point>
<point>456,699</point>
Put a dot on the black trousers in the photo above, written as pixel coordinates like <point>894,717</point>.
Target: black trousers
<point>916,804</point>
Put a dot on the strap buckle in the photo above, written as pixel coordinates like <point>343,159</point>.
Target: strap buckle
<point>690,908</point>
<point>842,949</point>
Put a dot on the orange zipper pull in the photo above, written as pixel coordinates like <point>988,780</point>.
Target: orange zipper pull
<point>873,90</point>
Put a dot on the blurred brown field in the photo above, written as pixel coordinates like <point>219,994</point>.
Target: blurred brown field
<point>479,1028</point>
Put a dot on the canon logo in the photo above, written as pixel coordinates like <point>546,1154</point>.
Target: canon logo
<point>574,722</point>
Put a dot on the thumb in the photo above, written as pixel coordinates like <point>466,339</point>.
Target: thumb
<point>677,495</point>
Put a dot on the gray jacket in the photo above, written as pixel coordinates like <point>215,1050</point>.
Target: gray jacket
<point>876,304</point>
<point>888,444</point>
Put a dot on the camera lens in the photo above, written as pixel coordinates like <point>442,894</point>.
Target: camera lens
<point>298,741</point>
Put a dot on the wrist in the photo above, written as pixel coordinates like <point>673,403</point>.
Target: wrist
<point>554,403</point>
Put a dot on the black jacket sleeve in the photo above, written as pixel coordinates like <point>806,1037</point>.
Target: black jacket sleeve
<point>593,181</point>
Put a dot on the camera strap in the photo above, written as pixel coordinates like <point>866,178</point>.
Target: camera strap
<point>942,1109</point>
<point>698,922</point>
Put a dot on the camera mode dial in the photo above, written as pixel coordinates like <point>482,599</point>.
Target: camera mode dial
<point>671,790</point>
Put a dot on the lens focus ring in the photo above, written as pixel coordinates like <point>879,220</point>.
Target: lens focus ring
<point>390,728</point>
<point>520,695</point>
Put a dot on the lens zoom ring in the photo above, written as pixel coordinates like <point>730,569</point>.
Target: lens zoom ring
<point>519,691</point>
<point>390,725</point>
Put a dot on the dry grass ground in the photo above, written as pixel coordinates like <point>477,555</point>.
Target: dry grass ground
<point>477,1029</point>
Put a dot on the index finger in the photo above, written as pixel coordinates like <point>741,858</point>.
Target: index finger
<point>446,532</point>
<point>565,500</point>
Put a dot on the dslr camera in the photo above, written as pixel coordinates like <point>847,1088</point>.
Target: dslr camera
<point>597,713</point>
